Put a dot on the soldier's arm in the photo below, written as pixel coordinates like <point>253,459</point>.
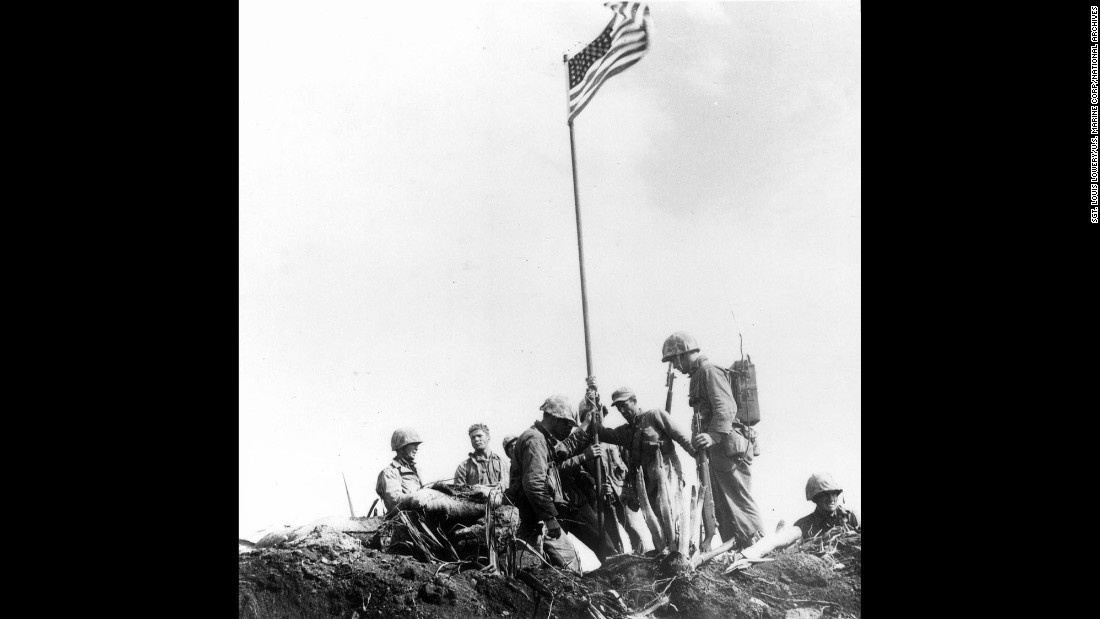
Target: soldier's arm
<point>571,446</point>
<point>618,436</point>
<point>389,487</point>
<point>723,407</point>
<point>460,475</point>
<point>534,481</point>
<point>664,423</point>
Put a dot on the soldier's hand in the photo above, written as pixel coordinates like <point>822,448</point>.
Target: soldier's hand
<point>608,490</point>
<point>593,452</point>
<point>591,381</point>
<point>553,529</point>
<point>702,441</point>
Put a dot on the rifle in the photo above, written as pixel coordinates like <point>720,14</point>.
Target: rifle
<point>706,490</point>
<point>669,378</point>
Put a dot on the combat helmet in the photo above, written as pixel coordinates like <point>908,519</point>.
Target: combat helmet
<point>676,344</point>
<point>402,437</point>
<point>821,482</point>
<point>557,406</point>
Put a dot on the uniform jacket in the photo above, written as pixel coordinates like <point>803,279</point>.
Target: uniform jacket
<point>578,475</point>
<point>534,478</point>
<point>396,480</point>
<point>710,395</point>
<point>486,470</point>
<point>650,431</point>
<point>816,523</point>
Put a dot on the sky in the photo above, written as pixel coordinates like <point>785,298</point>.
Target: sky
<point>408,251</point>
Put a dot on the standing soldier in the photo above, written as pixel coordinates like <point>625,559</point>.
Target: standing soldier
<point>483,471</point>
<point>400,477</point>
<point>535,483</point>
<point>823,490</point>
<point>711,396</point>
<point>648,441</point>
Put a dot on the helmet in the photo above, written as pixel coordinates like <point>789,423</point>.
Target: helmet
<point>402,437</point>
<point>557,406</point>
<point>622,394</point>
<point>508,440</point>
<point>677,343</point>
<point>820,482</point>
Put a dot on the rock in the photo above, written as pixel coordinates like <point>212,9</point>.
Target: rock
<point>408,573</point>
<point>275,537</point>
<point>803,613</point>
<point>431,593</point>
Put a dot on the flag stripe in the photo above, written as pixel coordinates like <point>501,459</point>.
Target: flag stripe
<point>627,55</point>
<point>622,43</point>
<point>611,56</point>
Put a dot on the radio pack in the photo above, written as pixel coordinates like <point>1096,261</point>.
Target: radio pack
<point>742,375</point>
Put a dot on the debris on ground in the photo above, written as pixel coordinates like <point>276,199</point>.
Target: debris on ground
<point>444,560</point>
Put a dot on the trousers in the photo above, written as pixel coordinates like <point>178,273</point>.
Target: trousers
<point>736,511</point>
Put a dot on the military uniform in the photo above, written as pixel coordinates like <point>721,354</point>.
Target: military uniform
<point>396,480</point>
<point>817,523</point>
<point>710,395</point>
<point>649,450</point>
<point>578,477</point>
<point>535,488</point>
<point>487,470</point>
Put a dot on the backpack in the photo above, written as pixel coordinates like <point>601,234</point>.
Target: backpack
<point>742,376</point>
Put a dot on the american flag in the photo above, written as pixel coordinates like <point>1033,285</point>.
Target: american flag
<point>622,43</point>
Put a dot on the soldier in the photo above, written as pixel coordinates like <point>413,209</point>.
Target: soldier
<point>535,486</point>
<point>483,471</point>
<point>509,445</point>
<point>400,477</point>
<point>579,484</point>
<point>825,493</point>
<point>648,440</point>
<point>711,396</point>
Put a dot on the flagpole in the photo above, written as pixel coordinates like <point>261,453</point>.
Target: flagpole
<point>577,205</point>
<point>601,552</point>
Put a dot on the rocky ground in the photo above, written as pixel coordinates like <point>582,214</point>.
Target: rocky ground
<point>333,571</point>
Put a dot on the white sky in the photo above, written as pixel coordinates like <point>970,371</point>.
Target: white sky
<point>408,242</point>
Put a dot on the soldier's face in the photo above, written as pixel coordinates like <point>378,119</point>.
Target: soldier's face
<point>479,440</point>
<point>680,362</point>
<point>408,452</point>
<point>560,428</point>
<point>627,408</point>
<point>827,502</point>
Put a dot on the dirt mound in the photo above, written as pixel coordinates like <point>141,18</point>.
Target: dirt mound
<point>333,573</point>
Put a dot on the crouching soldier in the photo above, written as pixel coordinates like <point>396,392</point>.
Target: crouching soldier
<point>400,477</point>
<point>823,490</point>
<point>483,471</point>
<point>534,481</point>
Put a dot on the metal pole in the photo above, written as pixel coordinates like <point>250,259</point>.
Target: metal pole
<point>580,240</point>
<point>600,552</point>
